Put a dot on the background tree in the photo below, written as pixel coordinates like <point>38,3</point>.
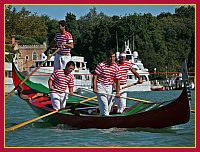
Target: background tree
<point>72,27</point>
<point>162,41</point>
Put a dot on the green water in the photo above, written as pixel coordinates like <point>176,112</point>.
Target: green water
<point>41,134</point>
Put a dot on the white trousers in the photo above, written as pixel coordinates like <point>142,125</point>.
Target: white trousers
<point>60,61</point>
<point>121,102</point>
<point>58,100</point>
<point>105,102</point>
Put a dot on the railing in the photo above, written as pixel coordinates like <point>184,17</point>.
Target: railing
<point>32,46</point>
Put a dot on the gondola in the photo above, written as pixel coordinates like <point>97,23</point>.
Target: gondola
<point>86,115</point>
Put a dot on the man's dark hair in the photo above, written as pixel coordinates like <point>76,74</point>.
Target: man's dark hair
<point>70,63</point>
<point>110,53</point>
<point>62,23</point>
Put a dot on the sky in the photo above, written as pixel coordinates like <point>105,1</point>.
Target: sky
<point>59,12</point>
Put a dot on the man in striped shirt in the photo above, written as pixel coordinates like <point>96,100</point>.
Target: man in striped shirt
<point>105,74</point>
<point>61,80</point>
<point>124,67</point>
<point>64,41</point>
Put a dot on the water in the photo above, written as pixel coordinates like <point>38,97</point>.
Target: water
<point>42,134</point>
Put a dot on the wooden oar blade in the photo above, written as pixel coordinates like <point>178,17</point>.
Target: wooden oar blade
<point>129,85</point>
<point>128,98</point>
<point>88,99</point>
<point>85,91</point>
<point>77,95</point>
<point>30,121</point>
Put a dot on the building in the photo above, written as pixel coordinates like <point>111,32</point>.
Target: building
<point>25,55</point>
<point>12,42</point>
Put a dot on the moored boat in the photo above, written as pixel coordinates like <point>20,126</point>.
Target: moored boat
<point>133,57</point>
<point>157,88</point>
<point>82,75</point>
<point>141,114</point>
<point>8,77</point>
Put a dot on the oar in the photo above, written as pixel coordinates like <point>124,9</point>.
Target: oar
<point>35,119</point>
<point>75,95</point>
<point>27,77</point>
<point>127,86</point>
<point>84,97</point>
<point>92,98</point>
<point>29,121</point>
<point>73,106</point>
<point>139,100</point>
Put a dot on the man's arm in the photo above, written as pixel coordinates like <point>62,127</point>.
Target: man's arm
<point>137,75</point>
<point>71,91</point>
<point>95,83</point>
<point>50,84</point>
<point>52,44</point>
<point>117,87</point>
<point>68,45</point>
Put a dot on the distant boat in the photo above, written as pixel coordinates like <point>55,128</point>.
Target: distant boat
<point>82,75</point>
<point>139,67</point>
<point>156,86</point>
<point>8,77</point>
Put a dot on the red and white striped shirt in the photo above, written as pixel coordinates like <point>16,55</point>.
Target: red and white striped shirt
<point>107,73</point>
<point>66,38</point>
<point>61,81</point>
<point>124,68</point>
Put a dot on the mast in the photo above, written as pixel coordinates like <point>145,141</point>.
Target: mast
<point>117,53</point>
<point>133,42</point>
<point>133,48</point>
<point>117,42</point>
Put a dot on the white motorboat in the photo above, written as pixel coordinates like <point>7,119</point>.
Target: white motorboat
<point>139,67</point>
<point>9,86</point>
<point>82,75</point>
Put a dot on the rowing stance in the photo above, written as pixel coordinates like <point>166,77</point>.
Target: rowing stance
<point>124,67</point>
<point>61,80</point>
<point>64,41</point>
<point>104,76</point>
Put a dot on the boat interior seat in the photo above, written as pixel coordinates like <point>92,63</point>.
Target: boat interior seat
<point>42,104</point>
<point>42,101</point>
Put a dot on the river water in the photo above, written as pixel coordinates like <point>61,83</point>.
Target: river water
<point>41,134</point>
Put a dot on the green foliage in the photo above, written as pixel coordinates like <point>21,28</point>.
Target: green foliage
<point>162,41</point>
<point>9,53</point>
<point>25,24</point>
<point>26,40</point>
